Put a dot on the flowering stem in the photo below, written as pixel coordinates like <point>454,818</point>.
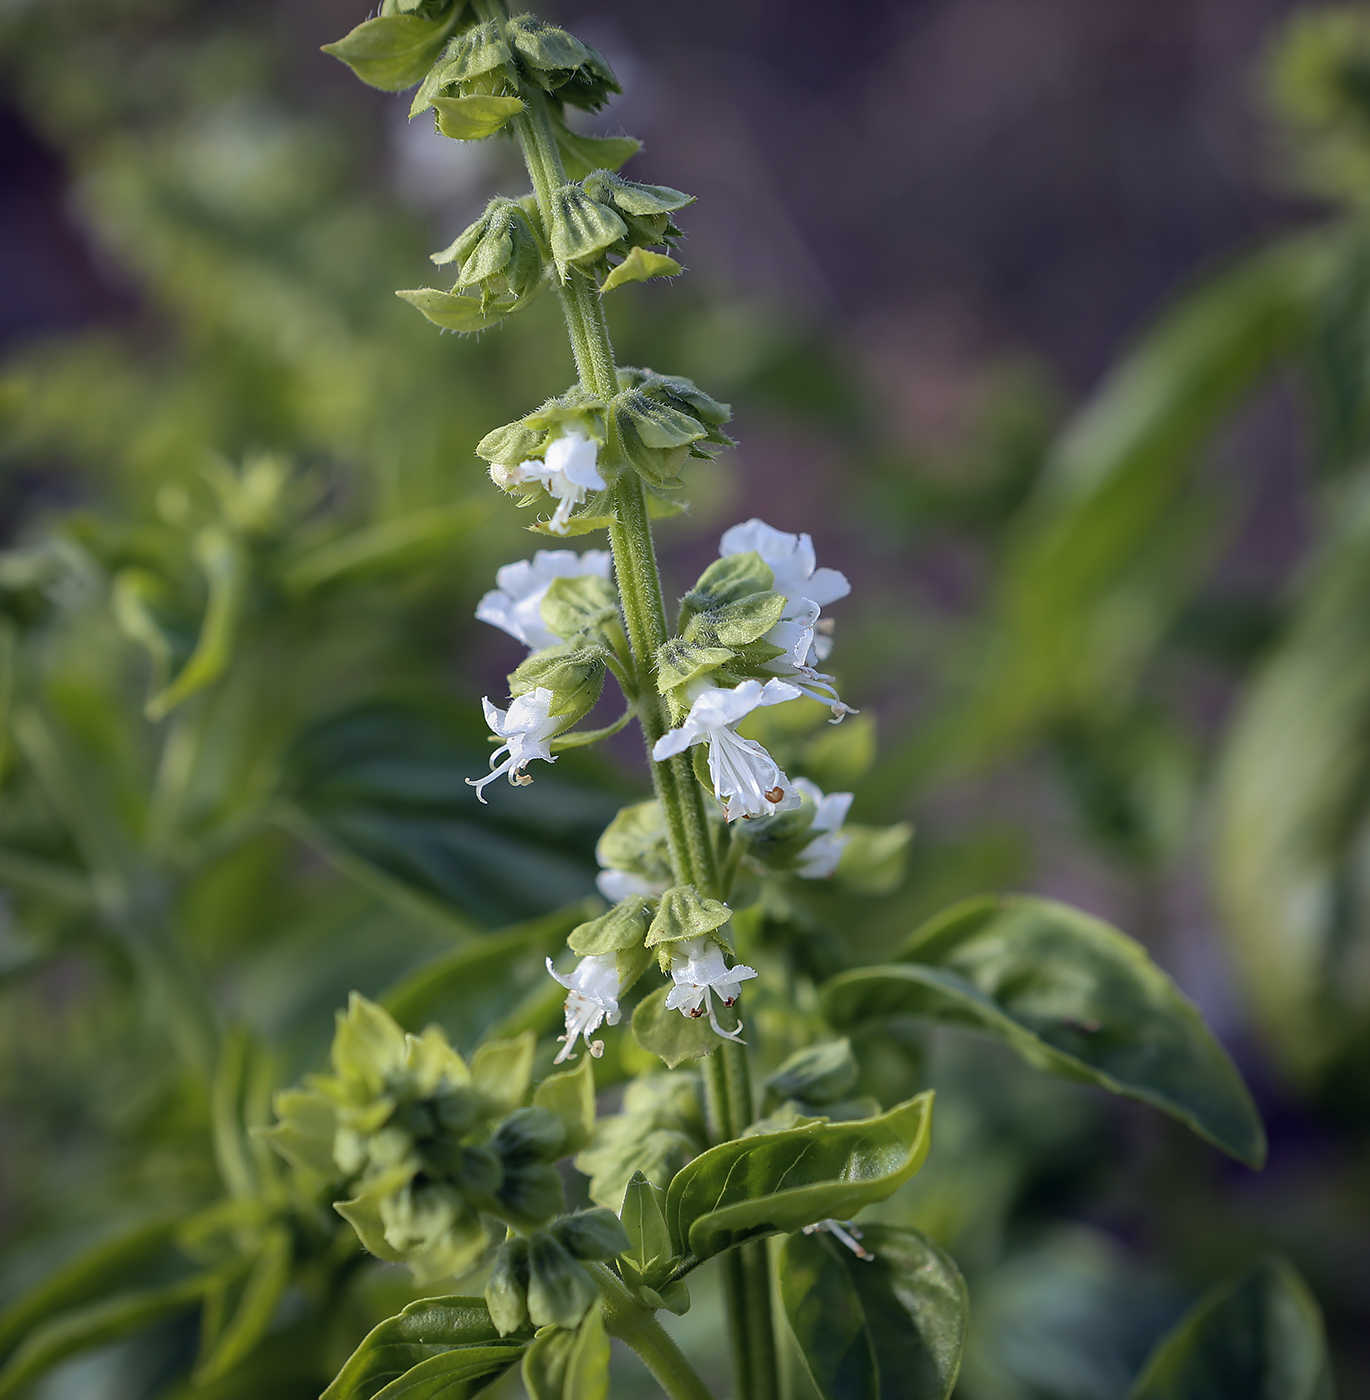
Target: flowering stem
<point>693,857</point>
<point>631,1322</point>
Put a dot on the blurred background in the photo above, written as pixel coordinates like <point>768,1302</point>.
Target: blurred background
<point>1050,321</point>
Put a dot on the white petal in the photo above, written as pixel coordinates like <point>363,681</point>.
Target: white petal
<point>826,586</point>
<point>576,456</point>
<point>617,885</point>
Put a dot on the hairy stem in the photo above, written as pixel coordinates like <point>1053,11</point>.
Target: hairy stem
<point>693,857</point>
<point>636,1324</point>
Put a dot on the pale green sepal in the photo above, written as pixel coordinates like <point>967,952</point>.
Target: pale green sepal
<point>655,437</point>
<point>304,1132</point>
<point>478,51</point>
<point>675,1297</point>
<point>635,841</point>
<point>475,117</point>
<point>682,913</point>
<point>506,1293</point>
<point>581,604</point>
<point>725,581</point>
<point>570,1096</point>
<point>502,1069</point>
<point>573,673</point>
<point>737,624</point>
<point>391,52</point>
<point>582,229</point>
<point>453,313</point>
<point>368,1044</point>
<point>577,525</point>
<point>544,45</point>
<point>874,857</point>
<point>678,662</point>
<point>682,393</point>
<point>633,198</point>
<point>640,266</point>
<point>512,445</point>
<point>582,154</point>
<point>363,1214</point>
<point>624,926</point>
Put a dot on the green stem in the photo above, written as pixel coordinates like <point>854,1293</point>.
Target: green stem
<point>634,1323</point>
<point>693,857</point>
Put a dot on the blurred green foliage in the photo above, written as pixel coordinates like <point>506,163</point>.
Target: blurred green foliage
<point>248,523</point>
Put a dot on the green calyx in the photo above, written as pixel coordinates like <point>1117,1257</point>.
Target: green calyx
<point>560,64</point>
<point>623,927</point>
<point>530,436</point>
<point>573,673</point>
<point>635,842</point>
<point>403,1124</point>
<point>684,913</point>
<point>645,209</point>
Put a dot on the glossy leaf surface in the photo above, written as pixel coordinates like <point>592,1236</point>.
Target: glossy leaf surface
<point>1256,1337</point>
<point>887,1328</point>
<point>780,1182</point>
<point>1072,996</point>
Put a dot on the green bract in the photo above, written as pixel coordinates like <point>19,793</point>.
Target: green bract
<point>393,51</point>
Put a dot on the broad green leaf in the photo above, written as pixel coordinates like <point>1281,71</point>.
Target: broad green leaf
<point>430,1328</point>
<point>455,1375</point>
<point>1258,1335</point>
<point>476,117</point>
<point>391,52</point>
<point>891,1327</point>
<point>94,1325</point>
<point>582,154</point>
<point>1292,815</point>
<point>382,790</point>
<point>469,990</point>
<point>1072,996</point>
<point>640,266</point>
<point>395,544</point>
<point>781,1182</point>
<point>545,1362</point>
<point>674,1036</point>
<point>107,1264</point>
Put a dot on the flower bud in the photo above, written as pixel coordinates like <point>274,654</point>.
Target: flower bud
<point>506,1294</point>
<point>560,1288</point>
<point>574,674</point>
<point>591,1234</point>
<point>582,229</point>
<point>645,209</point>
<point>561,64</point>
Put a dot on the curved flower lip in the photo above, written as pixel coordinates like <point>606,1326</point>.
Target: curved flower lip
<point>526,727</point>
<point>592,1001</point>
<point>747,780</point>
<point>820,857</point>
<point>791,559</point>
<point>698,971</point>
<point>515,603</point>
<point>569,470</point>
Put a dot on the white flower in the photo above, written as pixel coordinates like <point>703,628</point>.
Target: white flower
<point>698,971</point>
<point>848,1234</point>
<point>746,778</point>
<point>791,559</point>
<point>617,885</point>
<point>593,1000</point>
<point>807,590</point>
<point>515,604</point>
<point>820,856</point>
<point>526,726</point>
<point>569,471</point>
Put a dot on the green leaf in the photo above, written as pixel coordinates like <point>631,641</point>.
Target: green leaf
<point>582,154</point>
<point>381,789</point>
<point>453,312</point>
<point>1292,815</point>
<point>475,117</point>
<point>887,1328</point>
<point>779,1183</point>
<point>640,266</point>
<point>1259,1334</point>
<point>1072,996</point>
<point>672,1035</point>
<point>234,1340</point>
<point>220,559</point>
<point>391,52</point>
<point>563,1365</point>
<point>818,1074</point>
<point>427,1329</point>
<point>96,1324</point>
<point>86,1277</point>
<point>570,1095</point>
<point>650,1252</point>
<point>455,1375</point>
